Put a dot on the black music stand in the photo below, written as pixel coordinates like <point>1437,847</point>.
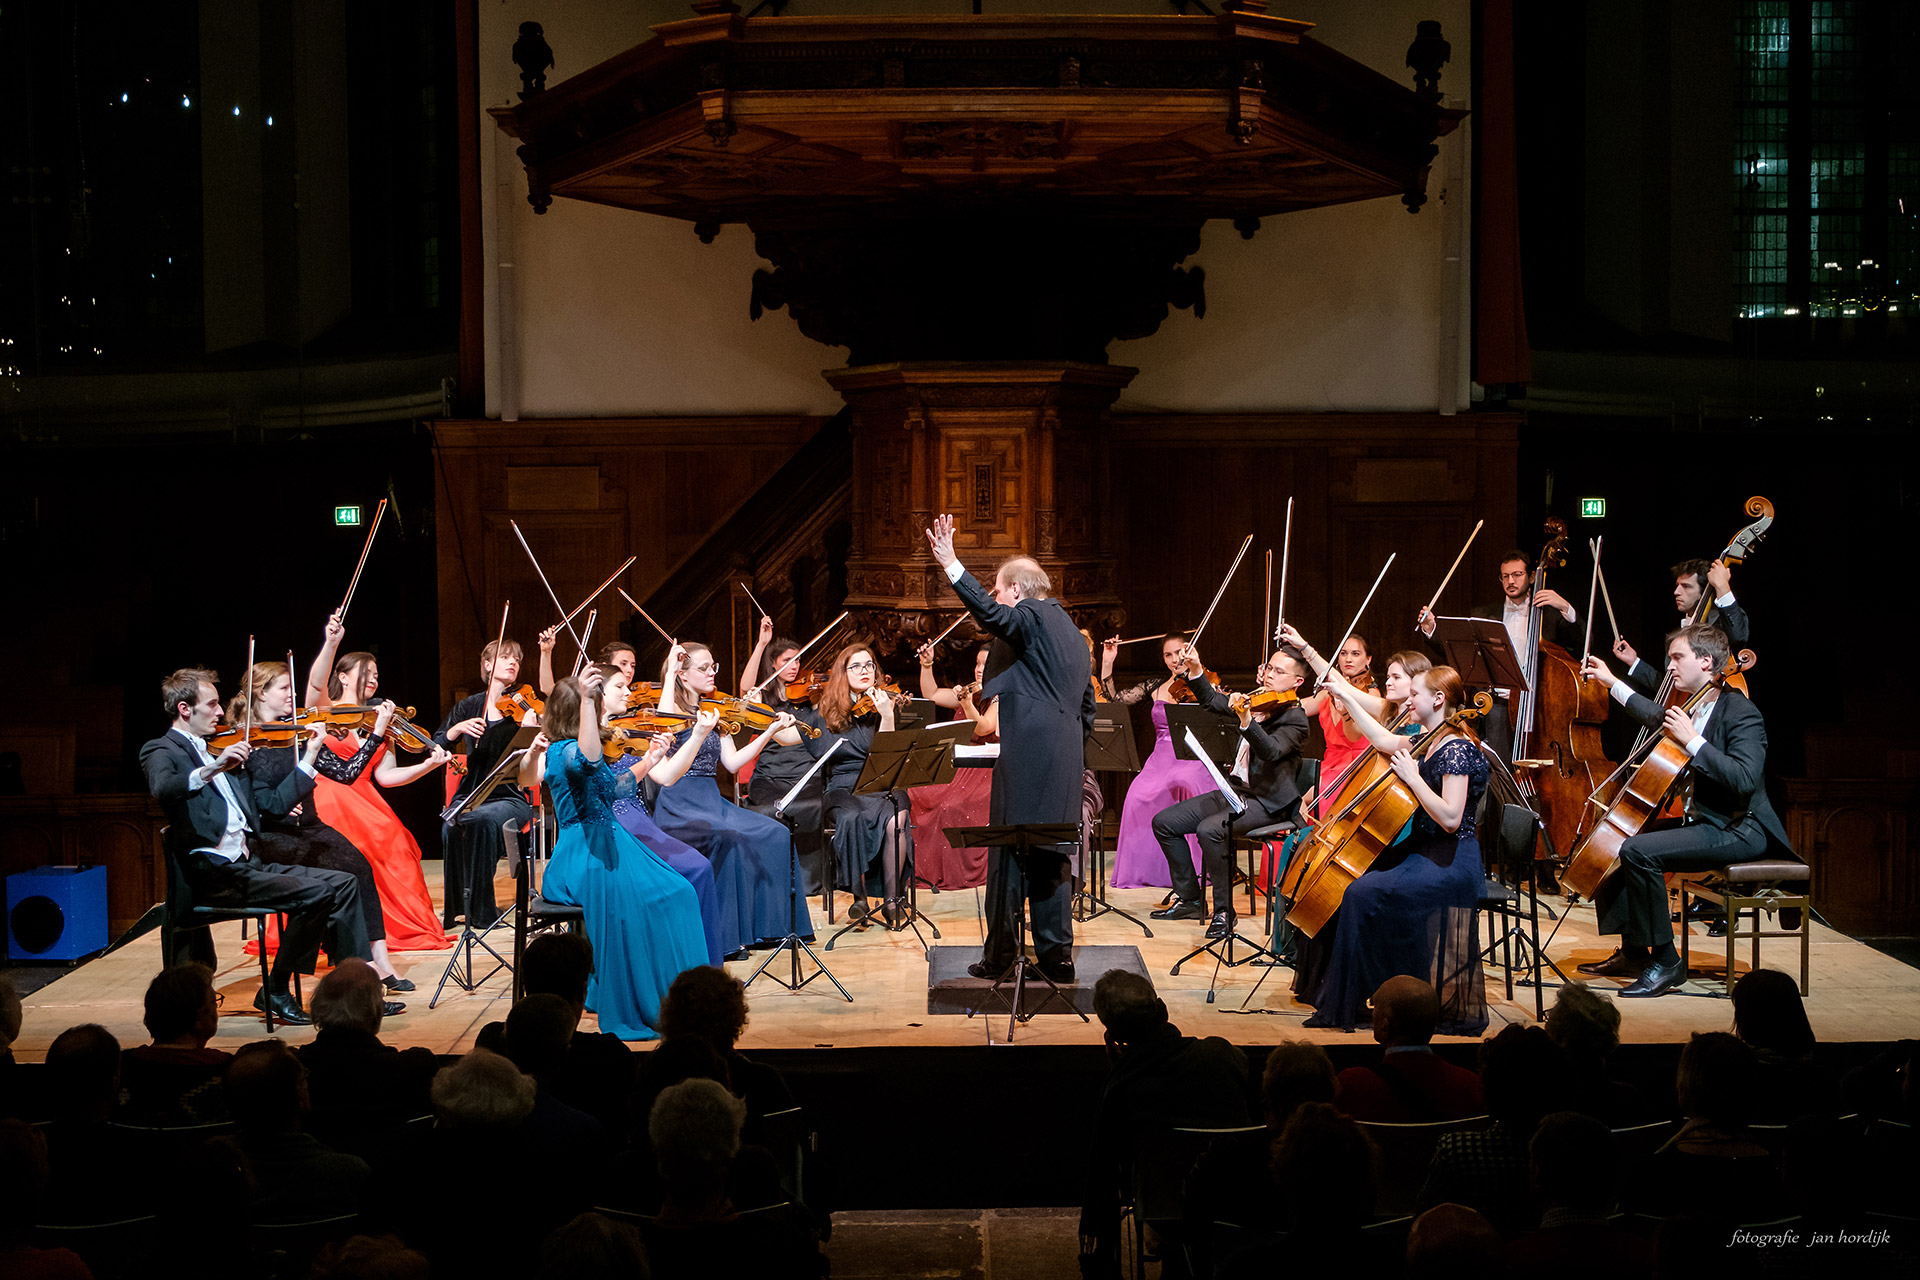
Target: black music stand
<point>899,761</point>
<point>1189,744</point>
<point>921,713</point>
<point>459,970</point>
<point>1482,652</point>
<point>1024,842</point>
<point>1109,749</point>
<point>793,942</point>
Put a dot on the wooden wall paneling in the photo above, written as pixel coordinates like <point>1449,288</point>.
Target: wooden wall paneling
<point>118,832</point>
<point>1856,835</point>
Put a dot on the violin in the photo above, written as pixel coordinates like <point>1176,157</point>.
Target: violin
<point>805,687</point>
<point>736,714</point>
<point>1640,798</point>
<point>1344,845</point>
<point>864,705</point>
<point>262,734</point>
<point>632,734</point>
<point>1177,690</point>
<point>1269,701</point>
<point>522,700</point>
<point>401,731</point>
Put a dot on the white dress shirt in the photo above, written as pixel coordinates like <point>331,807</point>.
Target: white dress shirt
<point>233,842</point>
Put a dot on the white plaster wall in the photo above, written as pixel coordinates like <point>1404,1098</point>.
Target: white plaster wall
<point>622,313</point>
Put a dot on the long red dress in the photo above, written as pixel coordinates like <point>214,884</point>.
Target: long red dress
<point>361,814</point>
<point>964,802</point>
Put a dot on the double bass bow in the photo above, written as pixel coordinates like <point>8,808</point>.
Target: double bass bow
<point>1557,754</point>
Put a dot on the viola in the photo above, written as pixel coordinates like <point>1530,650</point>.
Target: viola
<point>1345,843</point>
<point>1640,798</point>
<point>522,700</point>
<point>736,714</point>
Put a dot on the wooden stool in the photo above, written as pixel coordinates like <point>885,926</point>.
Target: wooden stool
<point>1742,887</point>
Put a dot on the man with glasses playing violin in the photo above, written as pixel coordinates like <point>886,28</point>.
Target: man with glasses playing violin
<point>211,807</point>
<point>1264,775</point>
<point>1728,817</point>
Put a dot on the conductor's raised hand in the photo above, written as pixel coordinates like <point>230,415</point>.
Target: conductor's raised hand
<point>940,540</point>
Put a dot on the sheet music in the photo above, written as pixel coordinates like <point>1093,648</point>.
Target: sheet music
<point>780,809</point>
<point>1234,801</point>
<point>977,751</point>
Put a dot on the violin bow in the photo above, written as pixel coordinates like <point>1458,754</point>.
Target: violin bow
<point>1593,588</point>
<point>374,528</point>
<point>498,645</point>
<point>1348,634</point>
<point>548,585</point>
<point>755,603</point>
<point>1450,569</point>
<point>1606,597</point>
<point>824,633</point>
<point>1266,602</point>
<point>577,662</point>
<point>1194,642</point>
<point>247,693</point>
<point>595,594</point>
<point>1286,555</point>
<point>649,617</point>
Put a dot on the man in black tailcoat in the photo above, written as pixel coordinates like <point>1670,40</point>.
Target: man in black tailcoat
<point>1039,672</point>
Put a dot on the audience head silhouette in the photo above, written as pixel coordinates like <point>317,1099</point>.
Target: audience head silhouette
<point>1297,1072</point>
<point>482,1091</point>
<point>180,1006</point>
<point>705,1001</point>
<point>351,997</point>
<point>1127,1007</point>
<point>83,1073</point>
<point>1405,1011</point>
<point>266,1088</point>
<point>1769,1015</point>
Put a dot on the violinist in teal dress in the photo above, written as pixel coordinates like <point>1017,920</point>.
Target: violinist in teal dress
<point>641,915</point>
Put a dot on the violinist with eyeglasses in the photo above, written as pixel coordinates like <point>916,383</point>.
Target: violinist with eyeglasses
<point>1273,728</point>
<point>472,845</point>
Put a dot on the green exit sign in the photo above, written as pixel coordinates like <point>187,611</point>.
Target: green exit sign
<point>1593,508</point>
<point>351,515</point>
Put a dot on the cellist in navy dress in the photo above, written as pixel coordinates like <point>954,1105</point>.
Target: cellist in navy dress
<point>1412,912</point>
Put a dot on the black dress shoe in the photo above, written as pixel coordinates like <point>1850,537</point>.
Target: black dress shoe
<point>1180,910</point>
<point>1656,980</point>
<point>984,971</point>
<point>285,1008</point>
<point>1617,965</point>
<point>1221,925</point>
<point>397,983</point>
<point>743,953</point>
<point>1059,972</point>
<point>388,1008</point>
<point>858,909</point>
<point>1717,927</point>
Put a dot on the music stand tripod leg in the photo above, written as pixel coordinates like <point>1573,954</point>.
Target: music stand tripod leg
<point>793,942</point>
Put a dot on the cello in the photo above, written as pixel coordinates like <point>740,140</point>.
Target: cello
<point>1346,843</point>
<point>1557,754</point>
<point>1641,797</point>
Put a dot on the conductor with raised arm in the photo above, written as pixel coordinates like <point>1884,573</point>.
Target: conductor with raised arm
<point>1039,672</point>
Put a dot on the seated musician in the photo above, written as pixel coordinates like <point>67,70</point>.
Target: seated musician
<point>1516,590</point>
<point>1728,817</point>
<point>212,807</point>
<point>1264,778</point>
<point>471,845</point>
<point>1724,612</point>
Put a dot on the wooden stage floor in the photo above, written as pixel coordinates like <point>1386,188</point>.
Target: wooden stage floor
<point>1858,994</point>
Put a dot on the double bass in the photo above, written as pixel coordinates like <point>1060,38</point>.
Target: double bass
<point>1557,756</point>
<point>1345,843</point>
